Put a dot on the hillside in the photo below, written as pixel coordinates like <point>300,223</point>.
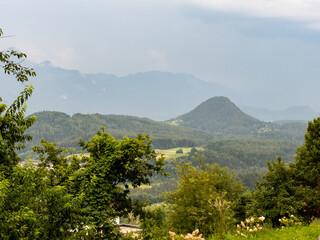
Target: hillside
<point>215,118</point>
<point>220,115</point>
<point>67,130</point>
<point>246,156</point>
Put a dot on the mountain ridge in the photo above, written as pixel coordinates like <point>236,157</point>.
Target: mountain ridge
<point>155,95</point>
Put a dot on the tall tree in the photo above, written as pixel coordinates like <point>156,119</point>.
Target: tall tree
<point>204,199</point>
<point>12,118</point>
<point>293,189</point>
<point>276,193</point>
<point>112,167</point>
<point>307,170</point>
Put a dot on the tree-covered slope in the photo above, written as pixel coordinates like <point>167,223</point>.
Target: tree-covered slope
<point>67,130</point>
<point>220,115</point>
<point>215,118</point>
<point>240,154</point>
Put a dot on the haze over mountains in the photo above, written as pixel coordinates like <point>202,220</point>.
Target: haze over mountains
<point>155,95</point>
<point>295,113</point>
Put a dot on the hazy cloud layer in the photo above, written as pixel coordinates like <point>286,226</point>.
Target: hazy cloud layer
<point>258,47</point>
<point>298,10</point>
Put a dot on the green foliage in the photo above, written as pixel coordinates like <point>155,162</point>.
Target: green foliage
<point>307,171</point>
<point>10,66</point>
<point>155,222</point>
<point>293,189</point>
<point>155,191</point>
<point>103,181</point>
<point>33,209</point>
<point>204,199</point>
<point>67,130</point>
<point>220,115</point>
<point>179,151</point>
<point>12,118</point>
<point>290,221</point>
<point>296,233</point>
<point>292,131</point>
<point>76,197</point>
<point>276,194</point>
<point>247,157</point>
<point>244,153</point>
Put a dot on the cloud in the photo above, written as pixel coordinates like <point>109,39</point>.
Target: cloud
<point>159,60</point>
<point>314,26</point>
<point>59,56</point>
<point>296,10</point>
<point>63,97</point>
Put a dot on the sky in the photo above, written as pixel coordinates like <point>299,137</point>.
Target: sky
<point>262,46</point>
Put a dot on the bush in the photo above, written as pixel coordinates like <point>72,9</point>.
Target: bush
<point>179,151</point>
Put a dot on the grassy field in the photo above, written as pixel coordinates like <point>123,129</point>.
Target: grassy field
<point>168,153</point>
<point>171,153</point>
<point>292,233</point>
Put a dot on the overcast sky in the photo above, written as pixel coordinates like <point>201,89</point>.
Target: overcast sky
<point>243,44</point>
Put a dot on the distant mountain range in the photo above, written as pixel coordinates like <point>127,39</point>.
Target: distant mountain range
<point>155,95</point>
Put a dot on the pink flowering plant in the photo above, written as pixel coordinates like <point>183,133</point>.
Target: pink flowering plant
<point>249,227</point>
<point>195,235</point>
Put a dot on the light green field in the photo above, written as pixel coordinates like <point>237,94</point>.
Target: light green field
<point>309,232</point>
<point>171,153</point>
<point>293,233</point>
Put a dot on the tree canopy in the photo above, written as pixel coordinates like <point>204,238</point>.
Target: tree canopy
<point>293,189</point>
<point>204,198</point>
<point>13,123</point>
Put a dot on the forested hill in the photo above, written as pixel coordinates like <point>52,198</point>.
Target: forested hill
<point>216,118</point>
<point>67,130</point>
<point>220,115</point>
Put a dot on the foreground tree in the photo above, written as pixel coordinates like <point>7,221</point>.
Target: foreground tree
<point>293,189</point>
<point>12,118</point>
<point>33,209</point>
<point>204,199</point>
<point>276,194</point>
<point>77,197</point>
<point>307,171</point>
<point>103,182</point>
